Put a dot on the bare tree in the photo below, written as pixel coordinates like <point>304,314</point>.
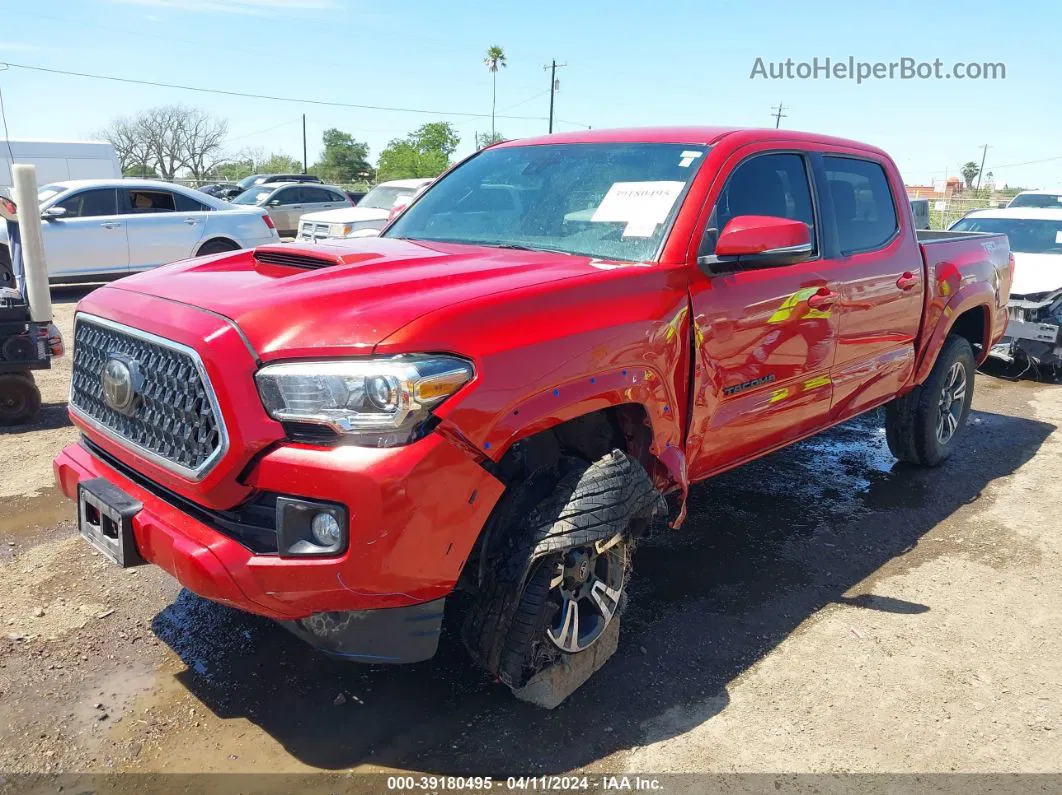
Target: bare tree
<point>134,154</point>
<point>201,139</point>
<point>168,139</point>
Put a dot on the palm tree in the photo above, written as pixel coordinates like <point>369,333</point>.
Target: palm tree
<point>494,61</point>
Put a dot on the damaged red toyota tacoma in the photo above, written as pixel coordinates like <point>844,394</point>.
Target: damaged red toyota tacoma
<point>525,371</point>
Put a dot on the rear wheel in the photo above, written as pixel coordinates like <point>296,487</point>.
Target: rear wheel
<point>556,578</point>
<point>216,247</point>
<point>20,400</point>
<point>924,426</point>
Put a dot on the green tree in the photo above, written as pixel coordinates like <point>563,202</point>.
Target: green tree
<point>234,170</point>
<point>425,152</point>
<point>494,61</point>
<point>344,159</point>
<point>143,171</point>
<point>489,139</point>
<point>970,171</point>
<point>278,163</point>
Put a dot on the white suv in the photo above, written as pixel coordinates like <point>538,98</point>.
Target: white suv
<point>96,229</point>
<point>372,212</point>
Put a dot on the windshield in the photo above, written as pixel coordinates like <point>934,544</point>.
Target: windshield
<point>254,179</point>
<point>252,196</point>
<point>612,201</point>
<point>1031,236</point>
<point>1037,200</point>
<point>381,198</point>
<point>46,192</point>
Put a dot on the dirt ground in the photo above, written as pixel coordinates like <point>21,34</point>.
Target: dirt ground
<point>822,610</point>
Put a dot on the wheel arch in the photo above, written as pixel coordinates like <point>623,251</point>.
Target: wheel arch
<point>968,315</point>
<point>217,238</point>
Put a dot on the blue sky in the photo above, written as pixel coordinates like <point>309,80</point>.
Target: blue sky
<point>629,64</point>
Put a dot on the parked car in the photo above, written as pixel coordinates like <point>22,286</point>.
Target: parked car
<point>1034,334</point>
<point>355,196</point>
<point>60,160</point>
<point>497,402</point>
<point>217,188</point>
<point>97,229</point>
<point>287,201</point>
<point>372,212</point>
<point>1037,198</point>
<point>260,179</point>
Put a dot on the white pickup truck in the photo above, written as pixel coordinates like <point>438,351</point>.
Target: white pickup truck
<point>95,229</point>
<point>372,212</point>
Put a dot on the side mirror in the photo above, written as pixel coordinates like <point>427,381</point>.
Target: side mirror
<point>8,211</point>
<point>758,241</point>
<point>53,212</point>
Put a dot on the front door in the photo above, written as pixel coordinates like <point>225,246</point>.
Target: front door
<point>88,239</point>
<point>765,339</point>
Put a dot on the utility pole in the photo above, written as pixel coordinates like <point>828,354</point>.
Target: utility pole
<point>552,88</point>
<point>984,154</point>
<point>305,164</point>
<point>778,114</point>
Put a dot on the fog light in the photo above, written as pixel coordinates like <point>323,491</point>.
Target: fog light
<point>326,530</point>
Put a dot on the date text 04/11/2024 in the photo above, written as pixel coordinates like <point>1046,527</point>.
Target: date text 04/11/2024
<point>524,783</point>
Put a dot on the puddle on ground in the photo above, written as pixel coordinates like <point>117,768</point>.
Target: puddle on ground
<point>22,518</point>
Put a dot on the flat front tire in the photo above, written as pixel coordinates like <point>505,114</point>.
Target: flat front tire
<point>924,426</point>
<point>556,577</point>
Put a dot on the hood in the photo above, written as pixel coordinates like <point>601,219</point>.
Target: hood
<point>364,291</point>
<point>346,215</point>
<point>1036,273</point>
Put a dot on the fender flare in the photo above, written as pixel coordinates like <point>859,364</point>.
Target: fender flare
<point>970,296</point>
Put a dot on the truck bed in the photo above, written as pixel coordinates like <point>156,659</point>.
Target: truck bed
<point>937,235</point>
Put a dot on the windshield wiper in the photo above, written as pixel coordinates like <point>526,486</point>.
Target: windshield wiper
<point>522,247</point>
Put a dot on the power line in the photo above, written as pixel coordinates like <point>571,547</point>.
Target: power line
<point>272,98</point>
<point>1027,163</point>
<point>267,129</point>
<point>778,114</point>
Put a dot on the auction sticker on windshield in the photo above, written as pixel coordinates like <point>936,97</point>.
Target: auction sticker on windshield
<point>642,206</point>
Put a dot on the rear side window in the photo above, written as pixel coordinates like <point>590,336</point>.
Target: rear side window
<point>863,209</point>
<point>775,185</point>
<point>316,195</point>
<point>91,203</point>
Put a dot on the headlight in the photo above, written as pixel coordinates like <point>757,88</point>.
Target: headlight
<point>339,230</point>
<point>379,402</point>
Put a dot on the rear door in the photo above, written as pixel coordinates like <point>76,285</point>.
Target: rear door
<point>764,353</point>
<point>881,280</point>
<point>315,198</point>
<point>89,239</point>
<point>290,207</point>
<point>158,232</point>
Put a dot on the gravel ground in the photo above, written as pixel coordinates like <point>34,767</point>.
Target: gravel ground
<point>822,610</point>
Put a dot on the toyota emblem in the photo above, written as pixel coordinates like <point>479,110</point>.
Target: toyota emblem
<point>120,380</point>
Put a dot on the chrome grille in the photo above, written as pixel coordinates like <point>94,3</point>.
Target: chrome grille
<point>309,230</point>
<point>175,421</point>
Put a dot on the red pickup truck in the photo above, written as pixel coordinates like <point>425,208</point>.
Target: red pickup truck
<point>525,370</point>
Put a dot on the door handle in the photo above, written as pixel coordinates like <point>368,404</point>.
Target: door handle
<point>823,298</point>
<point>907,281</point>
<point>295,207</point>
<point>191,221</point>
<point>110,225</point>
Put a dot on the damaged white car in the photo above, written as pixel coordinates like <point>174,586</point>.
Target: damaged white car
<point>1035,306</point>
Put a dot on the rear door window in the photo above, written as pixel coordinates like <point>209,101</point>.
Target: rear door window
<point>186,204</point>
<point>151,201</point>
<point>863,208</point>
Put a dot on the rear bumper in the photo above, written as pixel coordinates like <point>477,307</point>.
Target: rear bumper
<point>415,513</point>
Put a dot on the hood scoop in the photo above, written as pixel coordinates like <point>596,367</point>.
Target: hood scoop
<point>294,259</point>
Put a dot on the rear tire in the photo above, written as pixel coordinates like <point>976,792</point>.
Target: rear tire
<point>216,247</point>
<point>923,426</point>
<point>20,400</point>
<point>561,559</point>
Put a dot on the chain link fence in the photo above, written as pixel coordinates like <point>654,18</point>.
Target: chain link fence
<point>944,212</point>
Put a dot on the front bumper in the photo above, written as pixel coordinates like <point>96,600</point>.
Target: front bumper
<point>415,513</point>
<point>1030,342</point>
